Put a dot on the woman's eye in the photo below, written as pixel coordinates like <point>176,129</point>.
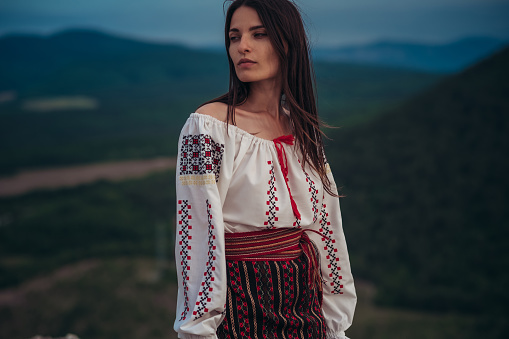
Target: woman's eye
<point>233,38</point>
<point>259,35</point>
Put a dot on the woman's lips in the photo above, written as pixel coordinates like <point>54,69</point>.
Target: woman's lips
<point>246,63</point>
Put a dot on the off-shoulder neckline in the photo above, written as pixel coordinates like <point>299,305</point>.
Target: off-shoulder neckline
<point>234,127</point>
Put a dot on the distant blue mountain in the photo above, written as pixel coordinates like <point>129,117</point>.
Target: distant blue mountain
<point>443,58</point>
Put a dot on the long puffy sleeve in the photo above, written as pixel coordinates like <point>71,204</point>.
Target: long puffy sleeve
<point>339,296</point>
<point>199,249</point>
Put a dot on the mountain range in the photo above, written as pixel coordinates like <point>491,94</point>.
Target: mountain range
<point>128,99</point>
<point>444,58</point>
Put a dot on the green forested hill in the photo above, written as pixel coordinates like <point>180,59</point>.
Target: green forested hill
<point>427,195</point>
<point>88,62</point>
<point>143,94</point>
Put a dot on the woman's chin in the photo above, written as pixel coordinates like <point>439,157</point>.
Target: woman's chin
<point>246,78</point>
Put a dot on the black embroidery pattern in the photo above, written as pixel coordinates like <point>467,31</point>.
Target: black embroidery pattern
<point>206,284</point>
<point>314,198</point>
<point>331,251</point>
<point>184,228</point>
<point>271,202</point>
<point>199,154</point>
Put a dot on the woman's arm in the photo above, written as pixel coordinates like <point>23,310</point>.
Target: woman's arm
<point>199,248</point>
<point>339,296</point>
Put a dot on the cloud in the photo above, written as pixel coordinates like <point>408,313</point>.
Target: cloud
<point>201,21</point>
<point>438,23</point>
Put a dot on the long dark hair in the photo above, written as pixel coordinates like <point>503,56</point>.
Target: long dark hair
<point>283,23</point>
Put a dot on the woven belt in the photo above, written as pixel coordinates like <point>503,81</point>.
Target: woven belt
<point>280,244</point>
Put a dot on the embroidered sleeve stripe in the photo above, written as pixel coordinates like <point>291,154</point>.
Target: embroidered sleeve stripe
<point>204,295</point>
<point>331,251</point>
<point>184,236</point>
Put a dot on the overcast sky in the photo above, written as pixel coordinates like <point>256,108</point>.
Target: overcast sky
<point>200,22</point>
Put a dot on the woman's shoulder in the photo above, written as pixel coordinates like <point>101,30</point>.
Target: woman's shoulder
<point>208,120</point>
<point>216,110</point>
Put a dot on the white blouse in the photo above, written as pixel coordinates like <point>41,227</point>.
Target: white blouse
<point>232,182</point>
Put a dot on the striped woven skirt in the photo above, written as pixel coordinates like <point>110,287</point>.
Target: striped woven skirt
<point>273,289</point>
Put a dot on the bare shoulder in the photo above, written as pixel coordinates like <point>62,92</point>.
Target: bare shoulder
<point>217,110</point>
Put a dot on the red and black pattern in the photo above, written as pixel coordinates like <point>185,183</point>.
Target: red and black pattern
<point>314,198</point>
<point>185,247</point>
<point>199,154</point>
<point>271,299</point>
<point>332,251</point>
<point>206,284</point>
<point>264,278</point>
<point>296,223</point>
<point>272,199</point>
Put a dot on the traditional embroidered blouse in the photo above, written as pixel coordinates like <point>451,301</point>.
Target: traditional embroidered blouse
<point>234,182</point>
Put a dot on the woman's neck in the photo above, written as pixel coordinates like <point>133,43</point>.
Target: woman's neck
<point>264,97</point>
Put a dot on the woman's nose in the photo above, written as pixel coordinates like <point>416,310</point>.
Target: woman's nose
<point>244,45</point>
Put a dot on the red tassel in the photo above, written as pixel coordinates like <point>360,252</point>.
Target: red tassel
<point>314,271</point>
<point>294,207</point>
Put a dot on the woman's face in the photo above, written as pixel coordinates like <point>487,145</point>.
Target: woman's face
<point>250,49</point>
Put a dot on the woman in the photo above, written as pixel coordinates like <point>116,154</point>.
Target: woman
<point>260,247</point>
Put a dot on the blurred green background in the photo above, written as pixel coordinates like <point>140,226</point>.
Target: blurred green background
<point>421,156</point>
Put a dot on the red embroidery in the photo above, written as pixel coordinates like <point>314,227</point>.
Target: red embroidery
<point>331,250</point>
<point>199,154</point>
<point>204,294</point>
<point>283,162</point>
<point>271,203</point>
<point>185,258</point>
